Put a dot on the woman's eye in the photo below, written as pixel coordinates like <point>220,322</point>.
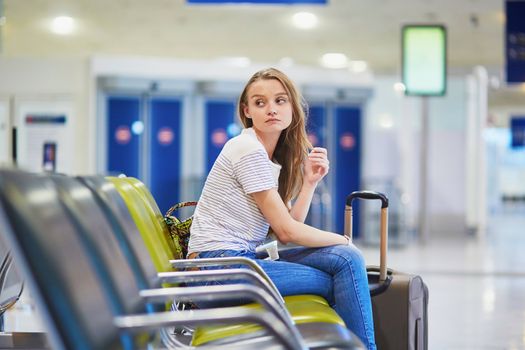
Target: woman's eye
<point>259,103</point>
<point>281,100</point>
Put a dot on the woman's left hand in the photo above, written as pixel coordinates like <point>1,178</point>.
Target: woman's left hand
<point>316,165</point>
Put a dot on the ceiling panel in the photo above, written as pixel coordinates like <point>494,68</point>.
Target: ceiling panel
<point>362,29</point>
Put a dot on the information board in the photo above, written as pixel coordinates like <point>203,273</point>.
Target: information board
<point>515,41</point>
<point>424,49</point>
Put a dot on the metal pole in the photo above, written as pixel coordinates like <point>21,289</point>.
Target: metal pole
<point>423,171</point>
<point>481,183</point>
<point>145,137</point>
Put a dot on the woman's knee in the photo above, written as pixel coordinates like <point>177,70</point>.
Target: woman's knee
<point>345,255</point>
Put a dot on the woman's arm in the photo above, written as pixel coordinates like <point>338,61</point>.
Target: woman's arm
<point>302,203</point>
<point>316,166</point>
<point>289,230</point>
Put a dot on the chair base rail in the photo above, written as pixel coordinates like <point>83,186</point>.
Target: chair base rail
<point>24,340</point>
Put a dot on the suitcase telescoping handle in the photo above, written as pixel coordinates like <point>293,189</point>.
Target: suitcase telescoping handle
<point>383,243</point>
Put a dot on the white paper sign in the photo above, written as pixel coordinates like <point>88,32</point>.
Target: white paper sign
<point>44,136</point>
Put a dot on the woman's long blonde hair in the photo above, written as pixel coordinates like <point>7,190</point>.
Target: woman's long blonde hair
<point>293,144</point>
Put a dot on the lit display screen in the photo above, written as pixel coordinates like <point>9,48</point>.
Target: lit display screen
<point>424,60</point>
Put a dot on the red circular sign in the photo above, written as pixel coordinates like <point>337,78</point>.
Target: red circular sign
<point>122,135</point>
<point>219,137</point>
<point>347,141</point>
<point>165,136</point>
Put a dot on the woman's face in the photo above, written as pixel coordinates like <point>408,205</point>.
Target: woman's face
<point>268,106</point>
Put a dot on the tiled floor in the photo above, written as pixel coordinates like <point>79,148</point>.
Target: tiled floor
<point>477,287</point>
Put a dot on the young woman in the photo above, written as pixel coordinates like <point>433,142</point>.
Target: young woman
<point>250,189</point>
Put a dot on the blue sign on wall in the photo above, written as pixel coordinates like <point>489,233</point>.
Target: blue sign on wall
<point>517,129</point>
<point>45,119</point>
<point>515,41</point>
<point>276,2</point>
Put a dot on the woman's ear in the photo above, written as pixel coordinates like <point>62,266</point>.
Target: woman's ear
<point>245,110</point>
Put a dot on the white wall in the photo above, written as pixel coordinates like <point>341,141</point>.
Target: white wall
<point>392,131</point>
<point>49,79</point>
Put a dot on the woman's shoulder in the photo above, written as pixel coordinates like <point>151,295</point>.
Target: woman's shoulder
<point>242,144</point>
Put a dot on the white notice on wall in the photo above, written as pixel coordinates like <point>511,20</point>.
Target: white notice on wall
<point>44,141</point>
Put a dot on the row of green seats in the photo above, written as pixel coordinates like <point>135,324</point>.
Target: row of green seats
<point>304,309</point>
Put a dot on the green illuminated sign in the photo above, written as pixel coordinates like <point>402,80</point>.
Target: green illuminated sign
<point>424,60</point>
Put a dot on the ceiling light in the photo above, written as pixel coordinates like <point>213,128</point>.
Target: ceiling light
<point>63,25</point>
<point>286,62</point>
<point>334,60</point>
<point>305,20</point>
<point>236,61</point>
<point>399,87</point>
<point>357,66</point>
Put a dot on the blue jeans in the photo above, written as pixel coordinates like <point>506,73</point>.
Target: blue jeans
<point>337,273</point>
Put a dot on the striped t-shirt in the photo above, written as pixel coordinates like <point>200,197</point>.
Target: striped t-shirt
<point>227,216</point>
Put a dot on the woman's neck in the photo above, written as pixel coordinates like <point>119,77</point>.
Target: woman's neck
<point>269,141</point>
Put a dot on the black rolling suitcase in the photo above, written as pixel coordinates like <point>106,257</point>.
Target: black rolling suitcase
<point>399,300</point>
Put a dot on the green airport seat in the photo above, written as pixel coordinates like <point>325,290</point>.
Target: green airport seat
<point>88,300</point>
<point>302,308</point>
<point>151,230</point>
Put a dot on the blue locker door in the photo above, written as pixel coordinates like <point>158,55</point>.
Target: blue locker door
<point>165,151</point>
<point>316,125</point>
<point>123,145</point>
<point>316,130</point>
<point>347,162</point>
<point>220,127</point>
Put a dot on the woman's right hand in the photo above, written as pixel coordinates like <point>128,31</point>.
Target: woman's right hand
<point>316,166</point>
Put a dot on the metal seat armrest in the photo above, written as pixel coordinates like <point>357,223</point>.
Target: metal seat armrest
<point>220,275</point>
<point>221,292</point>
<point>147,322</point>
<point>239,260</point>
<point>8,302</point>
<point>4,269</point>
